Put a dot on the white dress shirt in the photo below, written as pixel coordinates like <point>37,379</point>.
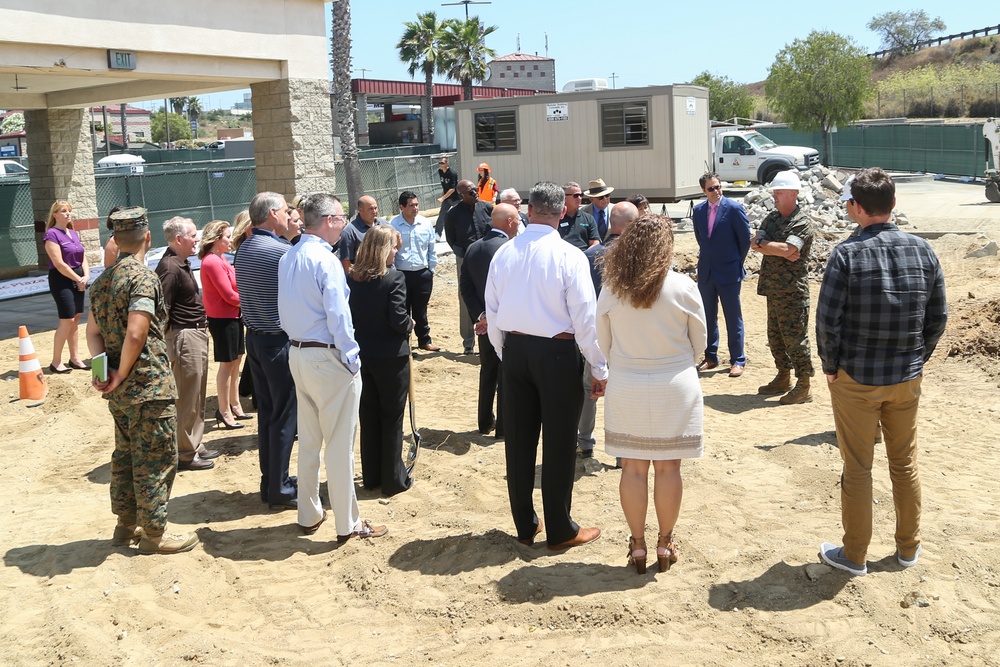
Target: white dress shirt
<point>417,251</point>
<point>540,285</point>
<point>312,299</point>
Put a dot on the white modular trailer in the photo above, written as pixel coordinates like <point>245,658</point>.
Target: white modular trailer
<point>652,140</point>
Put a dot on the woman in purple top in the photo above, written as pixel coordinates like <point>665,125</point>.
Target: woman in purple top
<point>68,276</point>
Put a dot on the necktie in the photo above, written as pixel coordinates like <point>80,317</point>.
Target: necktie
<point>712,210</point>
<point>602,227</point>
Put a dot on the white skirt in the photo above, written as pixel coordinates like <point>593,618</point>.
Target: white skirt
<point>653,410</point>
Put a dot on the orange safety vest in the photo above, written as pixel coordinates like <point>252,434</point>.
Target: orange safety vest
<point>488,192</point>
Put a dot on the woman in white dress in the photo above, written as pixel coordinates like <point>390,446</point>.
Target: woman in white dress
<point>651,326</point>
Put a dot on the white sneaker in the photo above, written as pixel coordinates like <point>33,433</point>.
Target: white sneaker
<point>912,561</point>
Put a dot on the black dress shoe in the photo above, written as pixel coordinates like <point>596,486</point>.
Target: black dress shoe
<point>290,504</point>
<point>60,372</point>
<point>210,454</point>
<point>197,463</point>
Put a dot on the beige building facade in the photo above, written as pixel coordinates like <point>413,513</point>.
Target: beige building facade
<point>66,57</point>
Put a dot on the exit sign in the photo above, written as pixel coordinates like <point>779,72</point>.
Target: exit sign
<point>121,59</point>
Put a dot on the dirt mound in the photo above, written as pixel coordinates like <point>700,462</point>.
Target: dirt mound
<point>974,329</point>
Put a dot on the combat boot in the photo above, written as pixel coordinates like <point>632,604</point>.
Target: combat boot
<point>800,394</point>
<point>781,383</point>
<point>126,533</point>
<point>152,543</point>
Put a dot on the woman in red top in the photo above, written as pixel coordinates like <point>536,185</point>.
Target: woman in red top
<point>222,306</point>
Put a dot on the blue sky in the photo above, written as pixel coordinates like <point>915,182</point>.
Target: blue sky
<point>643,42</point>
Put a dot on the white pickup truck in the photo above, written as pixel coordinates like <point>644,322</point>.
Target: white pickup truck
<point>747,155</point>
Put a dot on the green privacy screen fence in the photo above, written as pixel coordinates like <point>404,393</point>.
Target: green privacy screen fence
<point>934,148</point>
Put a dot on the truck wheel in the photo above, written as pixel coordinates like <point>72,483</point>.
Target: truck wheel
<point>993,192</point>
<point>770,174</point>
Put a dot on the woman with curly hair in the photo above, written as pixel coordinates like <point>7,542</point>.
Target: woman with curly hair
<point>651,326</point>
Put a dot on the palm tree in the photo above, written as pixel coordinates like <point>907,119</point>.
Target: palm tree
<point>193,108</point>
<point>178,103</point>
<point>340,63</point>
<point>466,52</point>
<point>420,46</point>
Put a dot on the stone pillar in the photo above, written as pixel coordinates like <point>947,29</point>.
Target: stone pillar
<point>293,136</point>
<point>62,167</point>
<point>361,103</point>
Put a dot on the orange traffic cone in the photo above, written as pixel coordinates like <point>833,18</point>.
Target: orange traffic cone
<point>33,385</point>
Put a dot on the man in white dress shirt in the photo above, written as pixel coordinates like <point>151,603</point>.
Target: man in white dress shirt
<point>323,358</point>
<point>540,306</point>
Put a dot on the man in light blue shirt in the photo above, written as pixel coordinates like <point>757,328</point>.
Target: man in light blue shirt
<point>323,357</point>
<point>416,259</point>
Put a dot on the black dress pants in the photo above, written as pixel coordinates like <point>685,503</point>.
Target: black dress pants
<point>490,385</point>
<point>277,407</point>
<point>542,393</point>
<point>384,385</point>
<point>418,294</point>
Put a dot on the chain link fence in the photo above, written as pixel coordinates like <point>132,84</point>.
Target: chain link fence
<point>939,101</point>
<point>204,192</point>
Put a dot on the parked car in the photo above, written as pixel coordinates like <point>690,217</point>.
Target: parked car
<point>12,168</point>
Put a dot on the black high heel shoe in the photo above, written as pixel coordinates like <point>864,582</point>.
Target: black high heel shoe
<point>219,419</point>
<point>243,417</point>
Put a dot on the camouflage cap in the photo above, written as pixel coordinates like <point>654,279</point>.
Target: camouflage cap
<point>127,219</point>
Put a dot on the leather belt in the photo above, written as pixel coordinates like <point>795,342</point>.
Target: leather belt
<point>309,343</point>
<point>559,336</point>
<point>203,325</point>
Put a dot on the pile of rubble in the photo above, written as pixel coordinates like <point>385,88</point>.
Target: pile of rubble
<point>819,199</point>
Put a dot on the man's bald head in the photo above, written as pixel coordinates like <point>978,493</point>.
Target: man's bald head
<point>623,214</point>
<point>367,209</point>
<point>505,218</point>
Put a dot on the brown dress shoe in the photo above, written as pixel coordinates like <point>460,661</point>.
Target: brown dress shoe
<point>430,347</point>
<point>309,530</point>
<point>367,531</point>
<point>197,463</point>
<point>528,542</point>
<point>584,536</point>
<point>735,371</point>
<point>707,365</point>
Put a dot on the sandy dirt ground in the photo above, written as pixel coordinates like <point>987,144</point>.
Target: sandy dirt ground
<point>450,586</point>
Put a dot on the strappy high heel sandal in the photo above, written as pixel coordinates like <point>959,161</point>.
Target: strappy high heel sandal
<point>637,553</point>
<point>666,551</point>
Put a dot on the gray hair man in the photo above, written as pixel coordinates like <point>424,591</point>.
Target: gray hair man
<point>539,328</point>
<point>510,196</point>
<point>187,342</point>
<point>324,361</point>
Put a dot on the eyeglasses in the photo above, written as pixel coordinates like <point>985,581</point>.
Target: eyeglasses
<point>335,215</point>
<point>576,195</point>
<point>595,197</point>
<point>714,188</point>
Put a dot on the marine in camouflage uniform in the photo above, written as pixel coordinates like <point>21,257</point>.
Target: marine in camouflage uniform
<point>144,461</point>
<point>786,286</point>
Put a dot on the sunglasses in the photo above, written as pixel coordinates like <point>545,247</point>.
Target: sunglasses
<point>575,196</point>
<point>714,188</point>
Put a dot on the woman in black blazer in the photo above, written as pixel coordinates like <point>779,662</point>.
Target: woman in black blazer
<point>382,328</point>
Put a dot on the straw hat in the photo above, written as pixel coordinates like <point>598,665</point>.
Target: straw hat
<point>598,188</point>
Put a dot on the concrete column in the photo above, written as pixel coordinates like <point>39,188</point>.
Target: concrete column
<point>361,102</point>
<point>62,167</point>
<point>293,136</point>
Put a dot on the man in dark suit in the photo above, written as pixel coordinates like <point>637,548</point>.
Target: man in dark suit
<point>472,285</point>
<point>723,235</point>
<point>466,223</point>
<point>599,207</point>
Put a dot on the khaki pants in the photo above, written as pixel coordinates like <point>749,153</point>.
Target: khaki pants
<point>857,410</point>
<point>188,353</point>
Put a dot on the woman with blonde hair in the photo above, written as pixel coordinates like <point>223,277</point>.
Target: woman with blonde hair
<point>651,326</point>
<point>241,228</point>
<point>68,276</point>
<point>222,306</point>
<point>382,329</point>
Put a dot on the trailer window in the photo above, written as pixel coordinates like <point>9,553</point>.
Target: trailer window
<point>496,131</point>
<point>625,124</point>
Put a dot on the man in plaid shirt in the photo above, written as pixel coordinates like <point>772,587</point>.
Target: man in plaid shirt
<point>880,313</point>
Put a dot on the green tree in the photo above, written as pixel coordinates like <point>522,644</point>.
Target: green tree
<point>340,63</point>
<point>12,123</point>
<point>465,52</point>
<point>819,83</point>
<point>726,99</point>
<point>194,109</point>
<point>178,104</point>
<point>900,31</point>
<point>179,127</point>
<point>420,46</point>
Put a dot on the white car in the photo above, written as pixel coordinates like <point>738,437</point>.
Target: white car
<point>12,168</point>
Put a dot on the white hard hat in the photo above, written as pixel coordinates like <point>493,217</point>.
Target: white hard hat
<point>846,194</point>
<point>786,180</point>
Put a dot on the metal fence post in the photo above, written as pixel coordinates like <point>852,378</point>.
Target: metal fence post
<point>211,202</point>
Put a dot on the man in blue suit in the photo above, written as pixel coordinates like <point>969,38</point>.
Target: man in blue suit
<point>723,234</point>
